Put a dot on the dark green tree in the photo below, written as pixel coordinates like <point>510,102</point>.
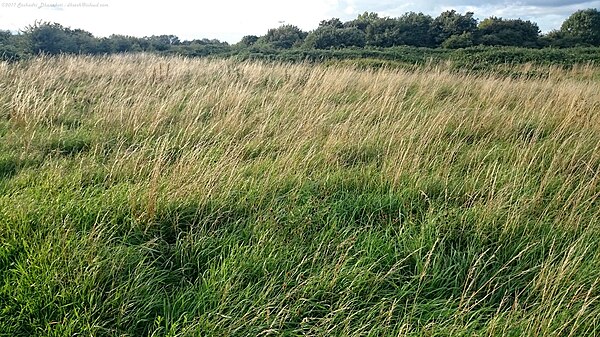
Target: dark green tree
<point>53,38</point>
<point>326,37</point>
<point>8,47</point>
<point>161,42</point>
<point>418,28</point>
<point>384,32</point>
<point>5,36</point>
<point>84,42</point>
<point>558,38</point>
<point>495,31</point>
<point>583,27</point>
<point>451,23</point>
<point>411,29</point>
<point>48,38</point>
<point>205,41</point>
<point>333,22</point>
<point>286,36</point>
<point>123,44</point>
<point>103,46</point>
<point>248,40</point>
<point>363,21</point>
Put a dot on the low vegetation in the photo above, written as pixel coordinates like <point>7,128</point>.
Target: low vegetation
<point>142,195</point>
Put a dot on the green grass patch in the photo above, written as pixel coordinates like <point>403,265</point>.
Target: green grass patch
<point>418,203</point>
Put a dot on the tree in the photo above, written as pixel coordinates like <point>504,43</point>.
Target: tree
<point>558,38</point>
<point>363,21</point>
<point>286,36</point>
<point>53,38</point>
<point>83,42</point>
<point>103,46</point>
<point>327,36</point>
<point>451,23</point>
<point>5,36</point>
<point>418,30</point>
<point>411,29</point>
<point>333,22</point>
<point>384,32</point>
<point>8,48</point>
<point>123,44</point>
<point>206,41</point>
<point>495,31</point>
<point>248,40</point>
<point>48,38</point>
<point>583,27</point>
<point>162,42</point>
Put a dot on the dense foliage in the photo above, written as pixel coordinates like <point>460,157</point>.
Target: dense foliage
<point>450,30</point>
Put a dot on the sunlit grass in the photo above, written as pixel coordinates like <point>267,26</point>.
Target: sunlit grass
<point>167,196</point>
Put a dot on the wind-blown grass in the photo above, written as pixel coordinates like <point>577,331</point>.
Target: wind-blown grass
<point>168,196</point>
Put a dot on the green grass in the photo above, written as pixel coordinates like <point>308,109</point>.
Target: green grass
<point>227,198</point>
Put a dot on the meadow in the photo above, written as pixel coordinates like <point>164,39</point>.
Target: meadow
<point>165,196</point>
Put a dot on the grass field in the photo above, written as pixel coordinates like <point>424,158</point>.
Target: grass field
<point>146,196</point>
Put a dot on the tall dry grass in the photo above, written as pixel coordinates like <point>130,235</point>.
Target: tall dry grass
<point>172,196</point>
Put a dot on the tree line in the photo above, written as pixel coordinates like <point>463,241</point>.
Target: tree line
<point>53,38</point>
<point>449,30</point>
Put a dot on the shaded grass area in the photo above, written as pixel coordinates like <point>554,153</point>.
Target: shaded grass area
<point>309,214</point>
<point>318,262</point>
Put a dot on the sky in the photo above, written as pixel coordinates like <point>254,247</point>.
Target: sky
<point>230,20</point>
